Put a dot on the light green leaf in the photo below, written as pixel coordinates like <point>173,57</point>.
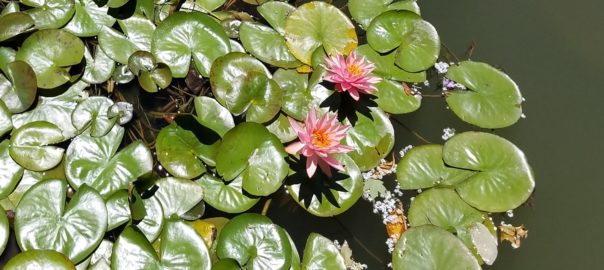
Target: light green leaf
<point>321,253</point>
<point>177,195</point>
<point>392,97</point>
<point>92,113</point>
<point>281,128</point>
<point>4,230</point>
<point>444,208</point>
<point>205,6</point>
<point>137,35</point>
<point>225,197</point>
<point>98,69</point>
<point>364,11</point>
<point>18,93</point>
<point>29,146</point>
<point>153,222</point>
<point>371,139</point>
<point>118,210</point>
<point>385,67</point>
<point>267,45</point>
<point>276,13</point>
<point>88,19</point>
<point>39,259</point>
<point>298,95</point>
<point>14,24</point>
<point>50,14</point>
<point>213,115</point>
<point>10,171</point>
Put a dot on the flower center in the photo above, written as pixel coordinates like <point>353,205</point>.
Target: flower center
<point>320,139</point>
<point>354,70</point>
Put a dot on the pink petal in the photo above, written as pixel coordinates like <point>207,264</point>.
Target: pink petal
<point>354,93</point>
<point>294,148</point>
<point>311,166</point>
<point>333,163</point>
<point>325,167</point>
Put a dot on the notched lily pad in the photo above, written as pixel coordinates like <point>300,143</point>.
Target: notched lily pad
<point>364,11</point>
<point>98,68</point>
<point>226,197</point>
<point>10,171</point>
<point>177,195</point>
<point>321,253</point>
<point>299,95</point>
<point>29,146</point>
<point>18,92</point>
<point>213,115</point>
<point>372,139</point>
<point>92,113</point>
<point>88,19</point>
<point>267,45</point>
<point>138,32</point>
<point>444,208</point>
<point>50,14</point>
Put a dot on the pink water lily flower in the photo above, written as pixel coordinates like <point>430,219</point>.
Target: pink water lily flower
<point>351,74</point>
<point>319,139</point>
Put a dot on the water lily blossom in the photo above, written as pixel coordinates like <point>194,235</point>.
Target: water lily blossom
<point>351,74</point>
<point>319,139</point>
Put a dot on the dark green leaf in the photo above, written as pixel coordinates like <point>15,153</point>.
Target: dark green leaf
<point>267,45</point>
<point>444,208</point>
<point>88,19</point>
<point>225,197</point>
<point>14,24</point>
<point>19,93</point>
<point>50,14</point>
<point>385,67</point>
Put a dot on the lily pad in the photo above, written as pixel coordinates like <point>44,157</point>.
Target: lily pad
<point>116,3</point>
<point>423,167</point>
<point>10,171</point>
<point>444,208</point>
<point>29,179</point>
<point>182,154</point>
<point>205,6</point>
<point>250,150</point>
<point>225,197</point>
<point>101,258</point>
<point>43,222</point>
<point>417,41</point>
<point>88,19</point>
<point>318,24</point>
<point>29,146</point>
<point>118,211</point>
<point>98,68</point>
<point>92,113</point>
<point>138,32</point>
<point>11,7</point>
<point>321,253</point>
<point>18,92</point>
<point>351,189</point>
<point>14,24</point>
<point>4,230</point>
<point>56,110</point>
<point>39,259</point>
<point>93,161</point>
<point>158,78</point>
<point>364,11</point>
<point>267,45</point>
<point>480,240</point>
<point>385,67</point>
<point>242,83</point>
<point>503,178</point>
<point>121,110</point>
<point>255,243</point>
<point>492,99</point>
<point>429,243</point>
<point>51,53</point>
<point>371,139</point>
<point>7,55</point>
<point>183,36</point>
<point>153,222</point>
<point>181,248</point>
<point>50,14</point>
<point>298,95</point>
<point>177,195</point>
<point>213,115</point>
<point>392,97</point>
<point>276,13</point>
<point>281,128</point>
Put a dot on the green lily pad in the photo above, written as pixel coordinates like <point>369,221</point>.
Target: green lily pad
<point>276,13</point>
<point>51,53</point>
<point>392,98</point>
<point>29,146</point>
<point>250,150</point>
<point>7,55</point>
<point>177,195</point>
<point>153,222</point>
<point>181,153</point>
<point>213,115</point>
<point>492,99</point>
<point>121,110</point>
<point>138,32</point>
<point>298,95</point>
<point>93,161</point>
<point>371,139</point>
<point>4,230</point>
<point>92,113</point>
<point>101,258</point>
<point>242,83</point>
<point>50,14</point>
<point>56,110</point>
<point>29,179</point>
<point>181,248</point>
<point>225,197</point>
<point>318,24</point>
<point>226,264</point>
<point>19,91</point>
<point>423,167</point>
<point>256,2</point>
<point>184,35</point>
<point>159,78</point>
<point>39,259</point>
<point>417,41</point>
<point>444,208</point>
<point>350,192</point>
<point>98,68</point>
<point>385,67</point>
<point>11,7</point>
<point>10,171</point>
<point>267,45</point>
<point>118,211</point>
<point>503,178</point>
<point>255,243</point>
<point>205,6</point>
<point>321,253</point>
<point>141,61</point>
<point>364,11</point>
<point>122,75</point>
<point>43,222</point>
<point>428,243</point>
<point>481,241</point>
<point>281,128</point>
<point>14,24</point>
<point>88,19</point>
<point>116,3</point>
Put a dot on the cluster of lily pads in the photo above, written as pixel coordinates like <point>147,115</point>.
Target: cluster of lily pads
<point>69,182</point>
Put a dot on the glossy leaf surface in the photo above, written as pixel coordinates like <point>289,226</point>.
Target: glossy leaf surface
<point>29,146</point>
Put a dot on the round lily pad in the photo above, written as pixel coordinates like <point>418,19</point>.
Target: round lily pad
<point>417,41</point>
<point>92,113</point>
<point>503,178</point>
<point>213,115</point>
<point>267,45</point>
<point>10,171</point>
<point>298,94</point>
<point>98,68</point>
<point>29,146</point>
<point>177,195</point>
<point>392,97</point>
<point>385,67</point>
<point>444,208</point>
<point>43,222</point>
<point>225,197</point>
<point>276,13</point>
<point>51,53</point>
<point>88,19</point>
<point>255,243</point>
<point>423,167</point>
<point>321,253</point>
<point>153,222</point>
<point>121,110</point>
<point>428,243</point>
<point>492,99</point>
<point>39,259</point>
<point>371,139</point>
<point>251,151</point>
<point>138,32</point>
<point>364,11</point>
<point>318,24</point>
<point>93,161</point>
<point>14,24</point>
<point>344,192</point>
<point>50,14</point>
<point>18,92</point>
<point>184,35</point>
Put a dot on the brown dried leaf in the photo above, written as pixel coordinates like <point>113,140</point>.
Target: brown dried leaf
<point>514,235</point>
